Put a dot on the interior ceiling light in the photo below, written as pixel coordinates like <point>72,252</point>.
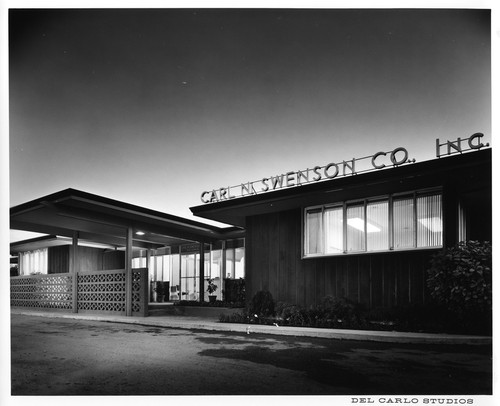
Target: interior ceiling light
<point>140,233</point>
<point>433,224</point>
<point>359,224</point>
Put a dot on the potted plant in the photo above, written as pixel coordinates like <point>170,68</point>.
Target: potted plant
<point>211,288</point>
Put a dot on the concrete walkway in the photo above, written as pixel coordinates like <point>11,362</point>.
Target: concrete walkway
<point>212,324</point>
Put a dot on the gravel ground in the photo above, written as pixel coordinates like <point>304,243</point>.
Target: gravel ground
<point>53,356</point>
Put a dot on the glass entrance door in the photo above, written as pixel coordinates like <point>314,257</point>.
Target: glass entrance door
<point>190,276</point>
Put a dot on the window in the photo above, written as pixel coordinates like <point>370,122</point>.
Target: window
<point>429,221</point>
<point>314,231</point>
<point>404,222</point>
<point>235,259</point>
<point>33,262</point>
<point>333,230</point>
<point>355,229</point>
<point>377,225</point>
<point>395,222</point>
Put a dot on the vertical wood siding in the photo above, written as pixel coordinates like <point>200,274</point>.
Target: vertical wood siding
<point>58,259</point>
<point>273,255</point>
<point>89,259</point>
<point>113,260</point>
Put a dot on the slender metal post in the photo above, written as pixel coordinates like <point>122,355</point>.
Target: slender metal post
<point>223,270</point>
<point>180,273</point>
<point>73,269</point>
<point>202,272</point>
<point>150,254</point>
<point>128,273</point>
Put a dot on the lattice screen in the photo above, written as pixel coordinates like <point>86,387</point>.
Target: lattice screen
<point>97,292</point>
<point>102,291</point>
<point>136,291</point>
<point>42,291</point>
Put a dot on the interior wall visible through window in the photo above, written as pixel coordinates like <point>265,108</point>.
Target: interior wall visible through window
<point>33,262</point>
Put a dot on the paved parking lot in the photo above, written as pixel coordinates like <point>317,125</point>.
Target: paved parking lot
<point>54,356</point>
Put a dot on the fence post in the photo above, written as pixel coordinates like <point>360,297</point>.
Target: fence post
<point>75,292</point>
<point>74,269</point>
<point>128,273</point>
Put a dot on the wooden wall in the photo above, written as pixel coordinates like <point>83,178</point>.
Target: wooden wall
<point>113,260</point>
<point>89,259</point>
<point>58,259</point>
<point>273,263</point>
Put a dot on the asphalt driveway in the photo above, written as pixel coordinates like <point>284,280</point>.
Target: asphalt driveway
<point>54,356</point>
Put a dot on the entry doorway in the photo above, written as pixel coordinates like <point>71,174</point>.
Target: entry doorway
<point>190,276</point>
<point>161,266</point>
<point>174,272</point>
<point>189,273</point>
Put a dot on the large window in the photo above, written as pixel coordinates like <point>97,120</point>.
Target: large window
<point>395,222</point>
<point>33,262</point>
<point>180,266</point>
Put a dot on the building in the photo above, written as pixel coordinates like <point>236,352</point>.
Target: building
<point>363,234</point>
<point>363,229</point>
<point>102,255</point>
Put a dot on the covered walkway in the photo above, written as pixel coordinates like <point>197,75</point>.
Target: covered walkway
<point>95,238</point>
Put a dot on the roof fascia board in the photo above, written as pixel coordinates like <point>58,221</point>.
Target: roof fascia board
<point>32,240</point>
<point>40,202</point>
<point>37,228</point>
<point>143,212</point>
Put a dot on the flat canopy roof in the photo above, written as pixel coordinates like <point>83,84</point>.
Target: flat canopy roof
<point>105,221</point>
<point>472,168</point>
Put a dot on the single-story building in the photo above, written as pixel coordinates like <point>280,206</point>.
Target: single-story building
<point>363,234</point>
<point>363,229</point>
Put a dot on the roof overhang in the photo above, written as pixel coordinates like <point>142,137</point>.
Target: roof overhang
<point>52,241</point>
<point>104,221</point>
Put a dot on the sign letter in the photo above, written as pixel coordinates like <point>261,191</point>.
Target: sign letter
<point>478,137</point>
<point>327,167</point>
<point>394,160</point>
<point>375,157</point>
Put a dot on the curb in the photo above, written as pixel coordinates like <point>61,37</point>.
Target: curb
<point>192,323</point>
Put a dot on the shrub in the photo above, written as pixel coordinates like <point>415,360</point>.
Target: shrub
<point>430,318</point>
<point>262,304</point>
<point>284,310</point>
<point>331,313</point>
<point>340,312</point>
<point>239,317</point>
<point>197,303</point>
<point>460,279</point>
<point>292,315</point>
<point>234,291</point>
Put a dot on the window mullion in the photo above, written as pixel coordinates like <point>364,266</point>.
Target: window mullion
<point>415,221</point>
<point>391,223</point>
<point>344,226</point>
<point>365,224</point>
<point>323,231</point>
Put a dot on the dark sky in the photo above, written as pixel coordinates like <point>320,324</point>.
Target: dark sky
<point>154,106</point>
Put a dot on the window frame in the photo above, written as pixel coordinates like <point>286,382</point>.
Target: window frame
<point>389,198</point>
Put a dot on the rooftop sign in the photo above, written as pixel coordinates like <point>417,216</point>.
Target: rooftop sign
<point>354,166</point>
<point>457,146</point>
